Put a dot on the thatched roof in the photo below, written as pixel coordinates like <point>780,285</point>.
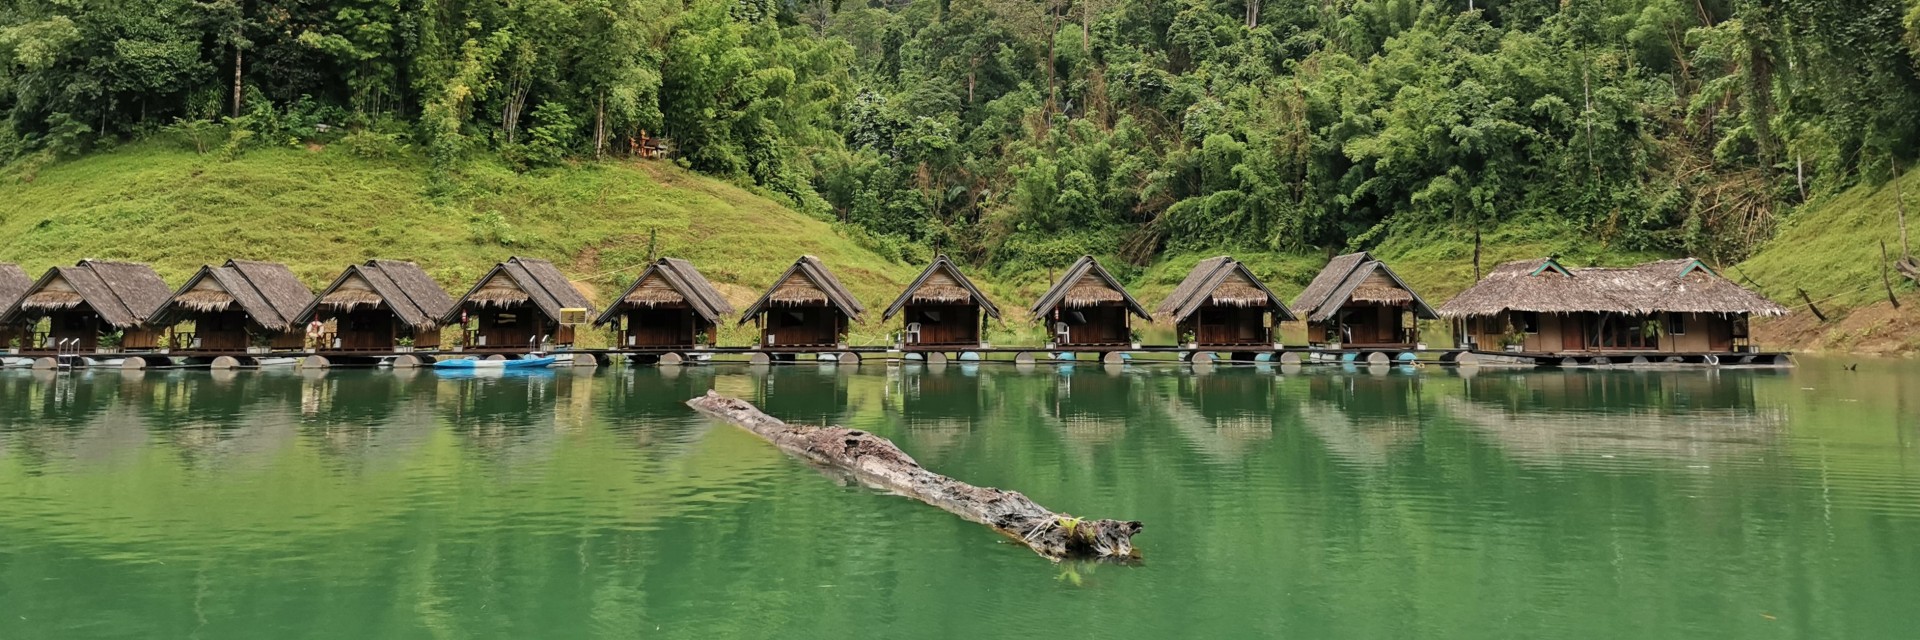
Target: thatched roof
<point>122,293</point>
<point>1683,285</point>
<point>401,287</point>
<point>1086,284</point>
<point>14,283</point>
<point>807,283</point>
<point>267,292</point>
<point>1356,277</point>
<point>942,283</point>
<point>519,281</point>
<point>1221,281</point>
<point>670,282</point>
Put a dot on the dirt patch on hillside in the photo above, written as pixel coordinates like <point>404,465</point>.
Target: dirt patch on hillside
<point>1877,329</point>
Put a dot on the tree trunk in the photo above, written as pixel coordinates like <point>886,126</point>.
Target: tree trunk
<point>600,125</point>
<point>1052,30</point>
<point>876,462</point>
<point>236,75</point>
<point>516,103</point>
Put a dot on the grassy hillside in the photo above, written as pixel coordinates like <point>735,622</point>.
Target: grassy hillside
<point>321,210</point>
<point>1832,250</point>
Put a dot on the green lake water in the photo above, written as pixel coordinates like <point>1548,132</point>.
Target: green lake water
<point>1322,503</point>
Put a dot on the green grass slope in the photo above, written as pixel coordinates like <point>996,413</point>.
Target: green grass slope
<point>1832,250</point>
<point>319,211</point>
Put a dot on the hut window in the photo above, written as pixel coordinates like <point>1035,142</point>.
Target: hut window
<point>1529,321</point>
<point>505,319</point>
<point>1676,324</point>
<point>792,319</point>
<point>929,317</point>
<point>1076,317</point>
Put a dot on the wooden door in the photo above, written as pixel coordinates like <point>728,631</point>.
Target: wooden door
<point>1573,332</point>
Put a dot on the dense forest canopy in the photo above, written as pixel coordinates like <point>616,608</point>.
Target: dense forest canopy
<point>1022,133</point>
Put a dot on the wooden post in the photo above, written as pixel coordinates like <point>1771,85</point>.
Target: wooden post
<point>1885,279</point>
<point>1810,307</point>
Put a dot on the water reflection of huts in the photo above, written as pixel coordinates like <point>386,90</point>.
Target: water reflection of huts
<point>1224,414</point>
<point>1363,418</point>
<point>1557,418</point>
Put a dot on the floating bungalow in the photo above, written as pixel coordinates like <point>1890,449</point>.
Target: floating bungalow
<point>1358,302</point>
<point>377,306</point>
<point>14,283</point>
<point>669,306</point>
<point>237,307</point>
<point>944,310</point>
<point>86,303</point>
<point>1087,307</point>
<point>1222,304</point>
<point>805,307</point>
<point>1669,306</point>
<point>523,304</point>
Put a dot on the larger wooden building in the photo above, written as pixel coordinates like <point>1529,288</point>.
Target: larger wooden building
<point>668,306</point>
<point>943,309</point>
<point>234,307</point>
<point>805,307</point>
<point>87,302</point>
<point>378,306</point>
<point>1668,306</point>
<point>1222,304</point>
<point>14,283</point>
<point>1357,301</point>
<point>1087,307</point>
<point>523,304</point>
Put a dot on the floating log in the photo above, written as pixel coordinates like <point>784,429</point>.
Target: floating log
<point>876,462</point>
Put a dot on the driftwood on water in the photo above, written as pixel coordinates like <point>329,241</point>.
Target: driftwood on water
<point>875,461</point>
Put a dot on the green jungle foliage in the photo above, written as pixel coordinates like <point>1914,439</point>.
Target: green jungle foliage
<point>1022,133</point>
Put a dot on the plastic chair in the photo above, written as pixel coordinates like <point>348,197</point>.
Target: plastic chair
<point>913,333</point>
<point>1060,333</point>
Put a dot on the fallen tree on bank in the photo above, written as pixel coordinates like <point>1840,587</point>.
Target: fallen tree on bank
<point>876,462</point>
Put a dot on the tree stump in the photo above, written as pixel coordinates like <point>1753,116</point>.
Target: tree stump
<point>876,462</point>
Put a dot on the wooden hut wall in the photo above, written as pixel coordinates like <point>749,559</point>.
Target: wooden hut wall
<point>1104,324</point>
<point>803,325</point>
<point>665,326</point>
<point>1221,325</point>
<point>514,327</point>
<point>1591,332</point>
<point>945,324</point>
<point>1367,324</point>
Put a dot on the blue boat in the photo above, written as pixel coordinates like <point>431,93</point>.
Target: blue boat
<point>474,365</point>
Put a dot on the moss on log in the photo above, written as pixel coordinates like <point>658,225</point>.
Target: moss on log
<point>876,462</point>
